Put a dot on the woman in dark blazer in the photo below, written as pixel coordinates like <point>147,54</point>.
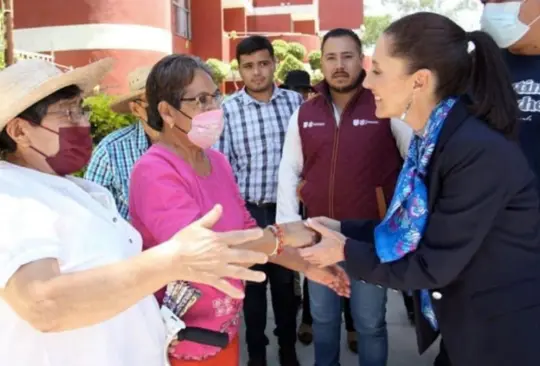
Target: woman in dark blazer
<point>463,227</point>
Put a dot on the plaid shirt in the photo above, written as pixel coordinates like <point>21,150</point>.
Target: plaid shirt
<point>112,162</point>
<point>253,139</point>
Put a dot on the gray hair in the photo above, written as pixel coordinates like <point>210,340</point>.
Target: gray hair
<point>167,82</point>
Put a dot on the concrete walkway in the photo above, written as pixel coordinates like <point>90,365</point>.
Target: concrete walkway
<point>402,341</point>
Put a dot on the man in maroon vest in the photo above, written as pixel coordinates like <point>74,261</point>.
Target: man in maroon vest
<point>341,158</point>
<point>299,81</point>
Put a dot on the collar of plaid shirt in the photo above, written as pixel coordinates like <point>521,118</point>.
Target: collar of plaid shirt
<point>122,149</point>
<point>248,99</point>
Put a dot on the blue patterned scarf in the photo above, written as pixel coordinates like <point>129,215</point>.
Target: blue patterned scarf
<point>403,225</point>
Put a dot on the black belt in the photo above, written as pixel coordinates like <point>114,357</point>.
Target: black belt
<point>268,205</point>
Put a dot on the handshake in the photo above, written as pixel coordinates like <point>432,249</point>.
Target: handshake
<point>322,252</point>
<point>198,254</point>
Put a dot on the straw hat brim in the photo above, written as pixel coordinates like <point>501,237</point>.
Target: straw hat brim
<point>121,104</point>
<point>86,78</point>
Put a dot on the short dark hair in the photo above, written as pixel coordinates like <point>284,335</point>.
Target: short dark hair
<point>253,44</point>
<point>36,112</point>
<point>167,82</point>
<point>342,32</point>
<point>432,41</point>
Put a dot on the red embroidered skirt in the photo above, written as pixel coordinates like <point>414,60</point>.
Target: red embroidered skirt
<point>229,356</point>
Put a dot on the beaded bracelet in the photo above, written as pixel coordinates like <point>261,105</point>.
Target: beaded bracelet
<point>280,239</point>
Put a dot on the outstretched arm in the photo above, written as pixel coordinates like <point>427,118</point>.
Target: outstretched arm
<point>32,284</point>
<point>458,225</point>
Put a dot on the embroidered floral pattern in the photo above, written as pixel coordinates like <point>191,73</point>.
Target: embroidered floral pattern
<point>214,311</point>
<point>231,326</point>
<point>223,306</point>
<point>403,226</point>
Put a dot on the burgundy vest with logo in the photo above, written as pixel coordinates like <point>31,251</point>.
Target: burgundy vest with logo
<point>343,166</point>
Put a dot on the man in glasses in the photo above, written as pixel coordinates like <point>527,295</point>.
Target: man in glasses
<point>114,157</point>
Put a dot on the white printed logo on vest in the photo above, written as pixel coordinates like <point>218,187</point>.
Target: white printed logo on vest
<point>363,122</point>
<point>310,124</point>
<point>526,89</point>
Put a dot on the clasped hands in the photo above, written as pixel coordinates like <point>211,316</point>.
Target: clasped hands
<point>320,243</point>
<point>198,254</point>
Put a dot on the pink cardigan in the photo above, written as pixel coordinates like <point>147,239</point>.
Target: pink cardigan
<point>166,195</point>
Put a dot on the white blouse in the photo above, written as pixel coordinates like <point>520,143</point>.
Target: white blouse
<point>76,222</point>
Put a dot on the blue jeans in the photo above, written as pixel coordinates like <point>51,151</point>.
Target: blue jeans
<point>368,308</point>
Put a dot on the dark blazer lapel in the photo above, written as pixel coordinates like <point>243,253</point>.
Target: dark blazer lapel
<point>454,120</point>
<point>426,335</point>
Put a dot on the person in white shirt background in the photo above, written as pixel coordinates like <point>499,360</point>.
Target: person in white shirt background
<point>74,286</point>
<point>335,157</point>
<point>299,81</point>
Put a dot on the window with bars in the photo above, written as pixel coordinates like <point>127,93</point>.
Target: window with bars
<point>182,10</point>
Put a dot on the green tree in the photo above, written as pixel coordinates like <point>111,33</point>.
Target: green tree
<point>297,50</point>
<point>220,70</point>
<point>234,72</point>
<point>234,65</point>
<point>290,63</point>
<point>314,59</point>
<point>316,77</point>
<point>374,26</point>
<point>434,6</point>
<point>281,49</point>
<point>280,43</point>
<point>102,119</point>
<point>413,6</point>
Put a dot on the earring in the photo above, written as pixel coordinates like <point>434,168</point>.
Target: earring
<point>404,114</point>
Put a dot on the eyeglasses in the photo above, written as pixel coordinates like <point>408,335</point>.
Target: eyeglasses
<point>204,101</point>
<point>141,102</point>
<point>74,115</point>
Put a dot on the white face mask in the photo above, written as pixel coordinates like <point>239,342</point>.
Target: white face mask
<point>501,21</point>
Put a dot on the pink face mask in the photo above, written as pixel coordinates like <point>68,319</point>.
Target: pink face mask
<point>206,128</point>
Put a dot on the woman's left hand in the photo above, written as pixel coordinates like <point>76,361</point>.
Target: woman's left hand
<point>333,277</point>
<point>298,235</point>
<point>329,251</point>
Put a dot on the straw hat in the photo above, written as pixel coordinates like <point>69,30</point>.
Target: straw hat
<point>137,87</point>
<point>29,81</point>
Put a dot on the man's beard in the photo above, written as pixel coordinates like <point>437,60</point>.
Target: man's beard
<point>261,89</point>
<point>348,88</point>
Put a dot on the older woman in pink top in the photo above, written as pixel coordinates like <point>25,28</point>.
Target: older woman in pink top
<point>180,178</point>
